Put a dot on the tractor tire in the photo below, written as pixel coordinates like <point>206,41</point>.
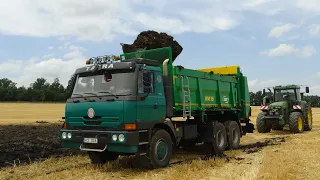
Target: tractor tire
<point>309,119</point>
<point>262,125</point>
<point>102,157</point>
<point>160,151</point>
<point>296,123</point>
<point>233,134</point>
<point>219,139</point>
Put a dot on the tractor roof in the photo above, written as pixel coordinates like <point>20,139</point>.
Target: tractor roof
<point>291,86</point>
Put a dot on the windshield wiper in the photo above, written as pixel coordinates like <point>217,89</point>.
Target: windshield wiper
<point>77,94</point>
<point>109,93</point>
<point>91,93</point>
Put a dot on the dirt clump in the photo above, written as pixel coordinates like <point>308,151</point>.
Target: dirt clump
<point>255,147</point>
<point>151,40</point>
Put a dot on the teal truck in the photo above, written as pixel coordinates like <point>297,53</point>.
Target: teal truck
<point>139,104</point>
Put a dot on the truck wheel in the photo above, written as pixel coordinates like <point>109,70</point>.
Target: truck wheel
<point>160,151</point>
<point>296,124</point>
<point>262,125</point>
<point>219,139</point>
<point>233,134</point>
<point>308,125</point>
<point>102,157</point>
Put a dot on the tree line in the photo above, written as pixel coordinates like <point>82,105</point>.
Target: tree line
<point>43,91</point>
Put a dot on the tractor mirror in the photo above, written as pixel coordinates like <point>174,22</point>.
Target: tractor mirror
<point>264,91</point>
<point>307,89</point>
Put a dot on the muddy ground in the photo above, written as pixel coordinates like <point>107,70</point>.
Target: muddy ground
<point>25,144</point>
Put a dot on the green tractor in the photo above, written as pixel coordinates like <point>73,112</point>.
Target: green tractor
<point>284,106</point>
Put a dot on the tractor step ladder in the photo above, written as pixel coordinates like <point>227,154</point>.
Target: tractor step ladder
<point>185,86</point>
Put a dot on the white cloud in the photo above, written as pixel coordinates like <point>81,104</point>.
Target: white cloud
<point>24,72</point>
<point>280,30</point>
<point>258,85</point>
<point>105,19</point>
<point>307,51</point>
<point>289,49</point>
<point>313,6</point>
<point>314,30</point>
<point>281,50</point>
<point>51,47</point>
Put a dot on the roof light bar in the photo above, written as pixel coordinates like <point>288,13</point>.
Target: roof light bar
<point>103,59</point>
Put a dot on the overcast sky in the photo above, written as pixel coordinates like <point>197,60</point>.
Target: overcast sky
<point>274,42</point>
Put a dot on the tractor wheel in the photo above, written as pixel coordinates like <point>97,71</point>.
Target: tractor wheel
<point>160,151</point>
<point>233,134</point>
<point>309,119</point>
<point>262,125</point>
<point>102,157</point>
<point>219,139</point>
<point>296,123</point>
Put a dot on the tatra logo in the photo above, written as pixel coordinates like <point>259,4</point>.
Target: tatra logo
<point>90,113</point>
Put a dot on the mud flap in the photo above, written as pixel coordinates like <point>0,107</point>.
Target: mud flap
<point>248,128</point>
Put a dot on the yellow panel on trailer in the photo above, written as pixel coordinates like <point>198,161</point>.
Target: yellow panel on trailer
<point>225,70</point>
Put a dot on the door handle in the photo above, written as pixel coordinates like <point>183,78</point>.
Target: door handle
<point>155,106</point>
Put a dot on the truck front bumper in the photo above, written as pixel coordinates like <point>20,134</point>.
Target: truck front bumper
<point>115,141</point>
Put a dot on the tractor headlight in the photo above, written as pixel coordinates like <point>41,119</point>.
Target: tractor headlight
<point>121,138</point>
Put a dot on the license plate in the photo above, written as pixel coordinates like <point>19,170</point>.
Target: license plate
<point>90,140</point>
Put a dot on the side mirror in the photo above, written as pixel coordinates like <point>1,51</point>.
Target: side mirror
<point>307,89</point>
<point>264,92</point>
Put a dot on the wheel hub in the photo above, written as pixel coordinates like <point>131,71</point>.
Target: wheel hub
<point>300,123</point>
<point>161,149</point>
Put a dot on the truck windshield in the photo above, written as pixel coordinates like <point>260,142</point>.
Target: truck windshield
<point>105,84</point>
<point>279,94</point>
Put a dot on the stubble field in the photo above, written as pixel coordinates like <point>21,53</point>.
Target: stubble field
<point>30,149</point>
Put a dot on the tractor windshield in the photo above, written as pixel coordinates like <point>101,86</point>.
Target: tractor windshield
<point>120,83</point>
<point>292,94</point>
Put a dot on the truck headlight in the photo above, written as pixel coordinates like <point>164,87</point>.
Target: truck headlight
<point>64,135</point>
<point>69,135</point>
<point>114,137</point>
<point>121,137</point>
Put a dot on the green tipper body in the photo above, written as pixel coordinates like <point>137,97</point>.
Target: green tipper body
<point>155,101</point>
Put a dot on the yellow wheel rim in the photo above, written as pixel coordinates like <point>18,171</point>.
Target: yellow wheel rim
<point>309,117</point>
<point>300,123</point>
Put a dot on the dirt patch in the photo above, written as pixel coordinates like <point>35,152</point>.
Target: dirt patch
<point>23,144</point>
<point>255,147</point>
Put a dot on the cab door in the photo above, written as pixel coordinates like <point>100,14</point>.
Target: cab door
<point>147,106</point>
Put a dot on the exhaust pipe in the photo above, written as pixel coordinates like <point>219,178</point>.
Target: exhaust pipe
<point>167,84</point>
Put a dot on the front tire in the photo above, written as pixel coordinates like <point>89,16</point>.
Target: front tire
<point>309,120</point>
<point>296,123</point>
<point>262,125</point>
<point>102,157</point>
<point>160,151</point>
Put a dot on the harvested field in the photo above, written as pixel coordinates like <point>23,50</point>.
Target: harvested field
<point>277,155</point>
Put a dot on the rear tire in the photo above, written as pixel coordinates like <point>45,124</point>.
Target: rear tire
<point>262,125</point>
<point>219,139</point>
<point>233,134</point>
<point>309,120</point>
<point>102,157</point>
<point>296,123</point>
<point>160,151</point>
